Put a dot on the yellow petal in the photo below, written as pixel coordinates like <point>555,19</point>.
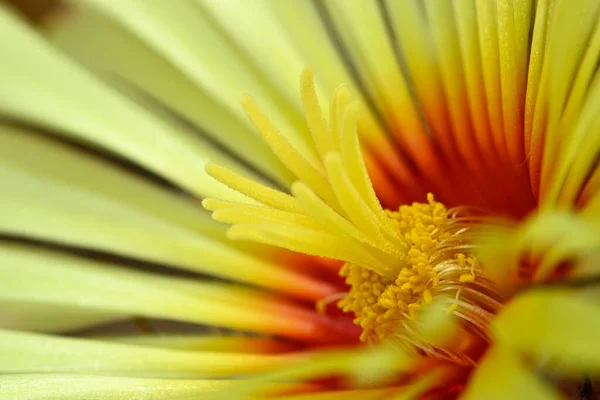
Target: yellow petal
<point>567,43</point>
<point>96,113</point>
<point>373,56</point>
<point>534,77</point>
<point>382,362</point>
<point>446,46</point>
<point>490,57</point>
<point>76,387</point>
<point>173,30</point>
<point>262,40</point>
<point>34,316</point>
<point>53,278</point>
<point>501,375</point>
<point>51,161</point>
<point>73,213</point>
<point>228,344</point>
<point>513,28</point>
<point>23,352</point>
<point>107,48</point>
<point>551,237</point>
<point>558,327</point>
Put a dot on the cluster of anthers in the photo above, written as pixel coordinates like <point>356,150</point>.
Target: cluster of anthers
<point>396,262</point>
<point>379,302</point>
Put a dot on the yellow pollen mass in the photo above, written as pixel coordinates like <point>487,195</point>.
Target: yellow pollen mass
<point>380,302</point>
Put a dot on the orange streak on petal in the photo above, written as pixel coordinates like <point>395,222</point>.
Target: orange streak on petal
<point>304,287</point>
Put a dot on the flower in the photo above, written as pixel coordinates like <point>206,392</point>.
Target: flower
<point>421,221</point>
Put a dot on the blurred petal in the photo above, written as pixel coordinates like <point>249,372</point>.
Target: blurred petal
<point>560,328</point>
<point>22,352</point>
<point>174,29</point>
<point>362,366</point>
<point>55,279</point>
<point>36,317</point>
<point>55,195</point>
<point>121,58</point>
<point>228,344</point>
<point>501,376</point>
<point>370,394</point>
<point>77,387</point>
<point>52,161</point>
<point>64,97</point>
<point>549,238</point>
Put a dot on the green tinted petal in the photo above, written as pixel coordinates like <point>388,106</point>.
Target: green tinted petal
<point>501,376</point>
<point>558,327</point>
<point>50,317</point>
<point>22,352</point>
<point>106,47</point>
<point>78,387</point>
<point>51,278</point>
<point>65,97</point>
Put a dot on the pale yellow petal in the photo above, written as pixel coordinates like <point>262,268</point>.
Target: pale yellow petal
<point>23,352</point>
<point>51,278</point>
<point>96,113</point>
<point>174,30</point>
<point>77,386</point>
<point>567,43</point>
<point>213,342</point>
<point>560,328</point>
<point>34,316</point>
<point>71,213</point>
<point>49,160</point>
<point>106,47</point>
<point>502,375</point>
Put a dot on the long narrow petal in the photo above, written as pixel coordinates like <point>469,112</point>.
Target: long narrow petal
<point>77,387</point>
<point>34,353</point>
<point>55,279</point>
<point>35,316</point>
<point>108,49</point>
<point>96,113</point>
<point>62,207</point>
<point>173,30</point>
<point>52,161</point>
<point>216,343</point>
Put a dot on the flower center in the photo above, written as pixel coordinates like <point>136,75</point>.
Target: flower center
<point>396,262</point>
<point>380,302</point>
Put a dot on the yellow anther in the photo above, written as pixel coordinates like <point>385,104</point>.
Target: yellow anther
<point>378,302</point>
<point>427,297</point>
<point>381,302</point>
